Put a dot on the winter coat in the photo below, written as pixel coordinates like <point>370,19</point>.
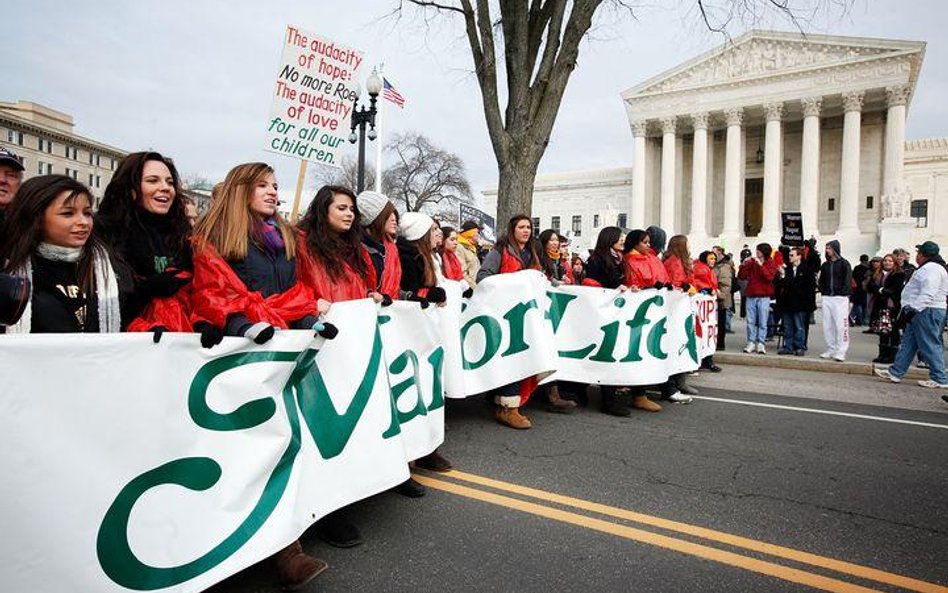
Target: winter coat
<point>644,270</point>
<point>507,262</point>
<point>607,274</point>
<point>725,275</point>
<point>836,276</point>
<point>796,290</point>
<point>470,264</point>
<point>413,269</point>
<point>760,278</point>
<point>351,286</point>
<point>259,288</point>
<point>704,277</point>
<point>676,272</point>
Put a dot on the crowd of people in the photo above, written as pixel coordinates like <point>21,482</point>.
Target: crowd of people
<point>144,262</point>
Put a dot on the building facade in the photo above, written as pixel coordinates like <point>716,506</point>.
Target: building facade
<point>775,122</point>
<point>46,142</point>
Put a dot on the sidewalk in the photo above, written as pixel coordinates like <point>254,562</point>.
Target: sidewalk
<point>862,349</point>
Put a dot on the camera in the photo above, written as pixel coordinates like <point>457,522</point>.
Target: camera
<point>14,294</point>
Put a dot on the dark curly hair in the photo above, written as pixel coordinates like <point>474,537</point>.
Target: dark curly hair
<point>334,250</point>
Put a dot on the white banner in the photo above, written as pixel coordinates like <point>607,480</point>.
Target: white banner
<point>171,467</point>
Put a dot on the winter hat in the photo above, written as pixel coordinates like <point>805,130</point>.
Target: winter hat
<point>928,248</point>
<point>834,245</point>
<point>657,236</point>
<point>414,225</point>
<point>371,204</point>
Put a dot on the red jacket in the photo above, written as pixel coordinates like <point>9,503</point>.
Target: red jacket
<point>676,272</point>
<point>219,293</point>
<point>451,266</point>
<point>704,277</point>
<point>311,272</point>
<point>644,271</point>
<point>392,274</point>
<point>760,278</point>
<point>172,313</point>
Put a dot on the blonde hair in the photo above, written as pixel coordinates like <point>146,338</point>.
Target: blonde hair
<point>228,224</point>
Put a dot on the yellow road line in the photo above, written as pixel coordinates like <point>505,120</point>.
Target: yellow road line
<point>730,558</point>
<point>849,568</point>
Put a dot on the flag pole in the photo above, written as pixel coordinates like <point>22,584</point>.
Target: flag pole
<point>378,139</point>
<point>300,180</point>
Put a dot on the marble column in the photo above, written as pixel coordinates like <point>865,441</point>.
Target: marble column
<point>897,97</point>
<point>773,167</point>
<point>699,178</point>
<point>733,226</point>
<point>810,166</point>
<point>639,129</point>
<point>667,208</point>
<point>849,170</point>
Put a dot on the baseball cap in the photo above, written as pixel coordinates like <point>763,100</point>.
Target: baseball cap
<point>9,158</point>
<point>928,248</point>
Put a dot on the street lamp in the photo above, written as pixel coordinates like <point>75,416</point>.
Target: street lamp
<point>362,116</point>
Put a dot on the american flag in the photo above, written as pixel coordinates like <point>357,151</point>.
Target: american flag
<point>389,92</point>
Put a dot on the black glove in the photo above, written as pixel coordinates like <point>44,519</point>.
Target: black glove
<point>165,284</point>
<point>706,291</point>
<point>468,293</point>
<point>420,300</point>
<point>260,332</point>
<point>157,331</point>
<point>211,335</point>
<point>326,330</point>
<point>658,286</point>
<point>905,317</point>
<point>669,286</point>
<point>685,286</point>
<point>436,295</point>
<point>386,300</point>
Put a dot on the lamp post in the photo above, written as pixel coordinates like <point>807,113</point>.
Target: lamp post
<point>362,116</point>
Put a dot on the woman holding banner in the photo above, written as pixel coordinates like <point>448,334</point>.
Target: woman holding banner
<point>144,219</point>
<point>706,282</point>
<point>450,264</point>
<point>514,252</point>
<point>77,286</point>
<point>245,281</point>
<point>379,221</point>
<point>555,270</point>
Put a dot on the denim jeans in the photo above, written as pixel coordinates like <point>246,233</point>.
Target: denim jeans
<point>758,310</point>
<point>923,337</point>
<point>794,326</point>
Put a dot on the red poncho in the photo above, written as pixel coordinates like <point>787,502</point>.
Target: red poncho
<point>173,313</point>
<point>451,266</point>
<point>644,270</point>
<point>705,278</point>
<point>676,272</point>
<point>392,274</point>
<point>311,272</point>
<point>219,293</point>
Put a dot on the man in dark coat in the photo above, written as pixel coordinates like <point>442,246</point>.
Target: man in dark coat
<point>796,299</point>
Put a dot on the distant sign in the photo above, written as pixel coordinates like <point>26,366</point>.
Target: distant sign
<point>313,98</point>
<point>792,223</point>
<point>486,221</point>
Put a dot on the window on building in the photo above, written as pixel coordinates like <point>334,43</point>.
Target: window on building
<point>49,168</point>
<point>870,200</point>
<point>622,221</point>
<point>11,136</point>
<point>40,143</point>
<point>45,145</point>
<point>98,160</point>
<point>832,204</point>
<point>536,224</point>
<point>555,223</point>
<point>91,158</point>
<point>91,179</point>
<point>919,211</point>
<point>19,138</point>
<point>111,164</point>
<point>595,221</point>
<point>72,153</point>
<point>98,180</point>
<point>577,226</point>
<point>40,167</point>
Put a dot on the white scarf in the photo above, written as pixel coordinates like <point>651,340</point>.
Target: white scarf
<point>106,287</point>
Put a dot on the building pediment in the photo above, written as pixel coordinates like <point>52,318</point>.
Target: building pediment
<point>760,55</point>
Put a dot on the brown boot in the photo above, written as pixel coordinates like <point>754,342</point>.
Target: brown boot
<point>295,568</point>
<point>513,418</point>
<point>557,403</point>
<point>642,402</point>
<point>434,462</point>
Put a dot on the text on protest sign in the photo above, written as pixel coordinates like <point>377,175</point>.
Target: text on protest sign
<point>313,98</point>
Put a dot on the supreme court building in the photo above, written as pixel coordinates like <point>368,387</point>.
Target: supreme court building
<point>767,123</point>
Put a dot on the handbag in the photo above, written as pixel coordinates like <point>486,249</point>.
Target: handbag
<point>883,323</point>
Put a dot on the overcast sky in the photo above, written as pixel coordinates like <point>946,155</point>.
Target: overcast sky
<point>193,79</point>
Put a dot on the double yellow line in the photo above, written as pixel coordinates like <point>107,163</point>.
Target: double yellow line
<point>456,485</point>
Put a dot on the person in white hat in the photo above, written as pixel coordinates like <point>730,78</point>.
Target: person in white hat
<point>379,221</point>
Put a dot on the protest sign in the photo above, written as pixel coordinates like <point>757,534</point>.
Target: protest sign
<point>486,221</point>
<point>313,98</point>
<point>792,224</point>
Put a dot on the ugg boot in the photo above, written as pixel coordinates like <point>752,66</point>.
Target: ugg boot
<point>295,568</point>
<point>513,418</point>
<point>642,402</point>
<point>433,462</point>
<point>557,403</point>
<point>610,405</point>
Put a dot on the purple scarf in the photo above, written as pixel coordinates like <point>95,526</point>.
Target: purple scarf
<point>269,235</point>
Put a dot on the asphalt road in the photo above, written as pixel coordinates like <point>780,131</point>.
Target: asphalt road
<point>824,487</point>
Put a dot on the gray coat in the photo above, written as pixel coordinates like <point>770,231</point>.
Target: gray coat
<point>725,274</point>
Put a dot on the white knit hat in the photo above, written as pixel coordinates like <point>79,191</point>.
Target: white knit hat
<point>414,225</point>
<point>370,204</point>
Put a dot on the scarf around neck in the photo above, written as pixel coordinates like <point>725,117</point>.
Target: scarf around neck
<point>269,234</point>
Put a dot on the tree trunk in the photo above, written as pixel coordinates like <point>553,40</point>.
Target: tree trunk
<point>515,189</point>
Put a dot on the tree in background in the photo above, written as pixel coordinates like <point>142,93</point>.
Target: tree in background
<point>538,41</point>
<point>424,177</point>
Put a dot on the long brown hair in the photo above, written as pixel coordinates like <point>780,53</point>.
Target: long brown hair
<point>508,240</point>
<point>334,250</point>
<point>376,230</point>
<point>423,245</point>
<point>678,246</point>
<point>228,224</point>
<point>23,229</point>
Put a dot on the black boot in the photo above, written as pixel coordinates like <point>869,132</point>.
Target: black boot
<point>337,531</point>
<point>609,403</point>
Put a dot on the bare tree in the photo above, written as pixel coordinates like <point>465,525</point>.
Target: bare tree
<point>539,41</point>
<point>197,181</point>
<point>424,177</point>
<point>347,175</point>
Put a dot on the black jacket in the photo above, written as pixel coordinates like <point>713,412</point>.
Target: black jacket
<point>413,267</point>
<point>266,273</point>
<point>836,276</point>
<point>377,256</point>
<point>796,290</point>
<point>608,274</point>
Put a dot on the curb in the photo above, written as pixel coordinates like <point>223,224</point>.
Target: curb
<point>810,364</point>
